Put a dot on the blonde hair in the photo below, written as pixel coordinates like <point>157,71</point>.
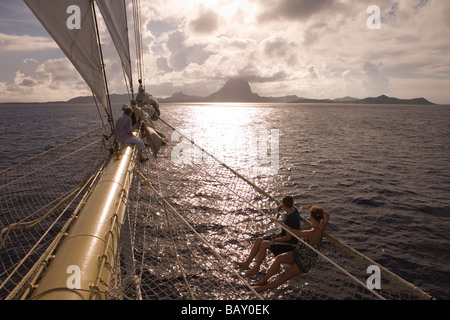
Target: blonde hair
<point>317,213</point>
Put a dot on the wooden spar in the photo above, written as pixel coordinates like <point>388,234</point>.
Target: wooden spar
<point>84,262</point>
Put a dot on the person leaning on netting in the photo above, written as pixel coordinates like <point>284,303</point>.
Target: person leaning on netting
<point>278,244</point>
<point>155,140</point>
<point>302,258</point>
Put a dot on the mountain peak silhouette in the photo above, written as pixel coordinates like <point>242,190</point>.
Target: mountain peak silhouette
<point>235,90</point>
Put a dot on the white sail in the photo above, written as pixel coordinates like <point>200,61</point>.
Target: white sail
<point>114,13</point>
<point>71,24</point>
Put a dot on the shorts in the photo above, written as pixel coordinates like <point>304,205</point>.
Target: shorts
<point>278,248</point>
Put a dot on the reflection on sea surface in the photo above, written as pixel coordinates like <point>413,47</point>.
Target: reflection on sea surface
<point>382,171</point>
<point>231,134</point>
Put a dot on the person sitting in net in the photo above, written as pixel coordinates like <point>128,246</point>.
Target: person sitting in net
<point>278,244</point>
<point>303,258</point>
<point>124,133</point>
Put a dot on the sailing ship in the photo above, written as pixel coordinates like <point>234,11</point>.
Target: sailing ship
<point>85,220</point>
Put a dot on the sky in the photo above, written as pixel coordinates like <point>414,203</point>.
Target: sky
<point>308,48</point>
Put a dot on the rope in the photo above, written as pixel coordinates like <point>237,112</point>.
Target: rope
<point>49,152</point>
<point>45,257</point>
<point>219,179</point>
<point>171,234</point>
<point>23,225</point>
<point>138,38</point>
<point>99,113</point>
<point>342,245</point>
<point>335,264</point>
<point>148,183</point>
<point>51,163</point>
<point>108,108</point>
<point>258,189</point>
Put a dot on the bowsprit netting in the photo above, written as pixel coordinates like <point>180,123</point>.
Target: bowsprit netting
<point>185,225</point>
<point>37,200</point>
<point>189,222</point>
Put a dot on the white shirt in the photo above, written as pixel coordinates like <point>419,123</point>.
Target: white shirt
<point>123,128</point>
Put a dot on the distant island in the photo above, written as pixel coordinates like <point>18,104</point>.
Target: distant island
<point>238,90</point>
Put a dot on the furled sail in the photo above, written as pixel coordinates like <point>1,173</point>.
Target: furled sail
<point>114,13</point>
<point>72,26</point>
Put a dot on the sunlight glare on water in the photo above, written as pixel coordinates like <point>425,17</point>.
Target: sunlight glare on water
<point>230,133</point>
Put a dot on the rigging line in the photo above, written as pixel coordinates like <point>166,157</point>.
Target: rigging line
<point>272,198</point>
<point>136,43</point>
<point>331,239</point>
<point>225,263</point>
<point>130,96</point>
<point>23,225</point>
<point>138,37</point>
<point>129,56</point>
<point>336,265</point>
<point>49,151</point>
<point>258,189</point>
<point>51,163</point>
<point>141,43</point>
<point>326,258</point>
<point>76,192</point>
<point>45,256</point>
<point>103,66</point>
<point>174,246</point>
<point>144,247</point>
<point>99,113</point>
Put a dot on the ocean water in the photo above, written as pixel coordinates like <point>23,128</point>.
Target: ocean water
<point>383,172</point>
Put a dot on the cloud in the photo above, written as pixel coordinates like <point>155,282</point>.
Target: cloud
<point>207,22</point>
<point>57,70</point>
<point>182,55</point>
<point>55,79</point>
<point>163,65</point>
<point>278,47</point>
<point>281,46</point>
<point>14,43</point>
<point>313,33</point>
<point>312,73</point>
<point>375,82</point>
<point>300,10</point>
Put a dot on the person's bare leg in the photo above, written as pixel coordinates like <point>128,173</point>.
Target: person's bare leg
<point>285,258</point>
<point>260,258</point>
<point>253,252</point>
<point>291,272</point>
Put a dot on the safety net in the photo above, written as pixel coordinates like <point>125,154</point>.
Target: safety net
<point>185,226</point>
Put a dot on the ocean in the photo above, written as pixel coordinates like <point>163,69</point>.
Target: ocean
<point>382,171</point>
